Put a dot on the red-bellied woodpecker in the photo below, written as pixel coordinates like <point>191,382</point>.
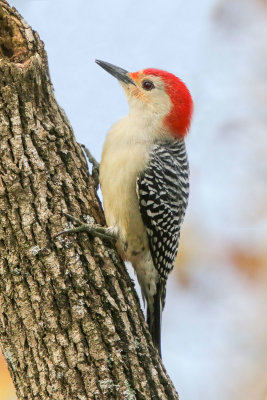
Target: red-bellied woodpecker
<point>144,177</point>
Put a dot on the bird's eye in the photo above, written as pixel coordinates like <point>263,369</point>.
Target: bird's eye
<point>148,85</point>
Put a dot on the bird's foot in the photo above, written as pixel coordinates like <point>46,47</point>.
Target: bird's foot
<point>95,165</point>
<point>90,227</point>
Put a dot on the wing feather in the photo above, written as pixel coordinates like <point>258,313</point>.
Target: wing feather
<point>162,189</point>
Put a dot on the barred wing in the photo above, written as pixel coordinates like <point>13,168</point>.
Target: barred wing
<point>163,190</point>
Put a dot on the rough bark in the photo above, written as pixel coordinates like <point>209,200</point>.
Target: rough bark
<point>70,321</point>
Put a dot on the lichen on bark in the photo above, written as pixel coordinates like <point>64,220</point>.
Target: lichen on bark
<point>70,321</point>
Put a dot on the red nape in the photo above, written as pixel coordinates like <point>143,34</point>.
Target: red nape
<point>179,118</point>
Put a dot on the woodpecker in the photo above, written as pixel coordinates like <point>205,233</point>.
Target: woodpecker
<point>144,178</point>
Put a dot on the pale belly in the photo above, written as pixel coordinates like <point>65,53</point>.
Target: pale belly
<point>125,155</point>
<point>118,173</point>
<point>118,184</point>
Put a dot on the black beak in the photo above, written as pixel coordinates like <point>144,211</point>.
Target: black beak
<point>119,73</point>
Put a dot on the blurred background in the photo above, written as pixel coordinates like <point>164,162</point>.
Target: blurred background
<point>215,321</point>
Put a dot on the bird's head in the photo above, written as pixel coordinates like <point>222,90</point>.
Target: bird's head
<point>157,94</point>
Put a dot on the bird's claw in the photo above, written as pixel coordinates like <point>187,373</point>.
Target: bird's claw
<point>95,165</point>
<point>89,227</point>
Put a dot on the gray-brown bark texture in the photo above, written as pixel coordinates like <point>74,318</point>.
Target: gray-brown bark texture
<point>70,322</point>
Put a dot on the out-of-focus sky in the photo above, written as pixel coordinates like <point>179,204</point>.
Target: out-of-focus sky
<point>214,324</point>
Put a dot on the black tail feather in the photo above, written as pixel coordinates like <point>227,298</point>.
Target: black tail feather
<point>154,318</point>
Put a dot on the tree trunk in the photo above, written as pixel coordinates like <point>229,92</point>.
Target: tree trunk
<point>70,321</point>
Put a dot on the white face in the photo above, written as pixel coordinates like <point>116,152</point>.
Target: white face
<point>148,96</point>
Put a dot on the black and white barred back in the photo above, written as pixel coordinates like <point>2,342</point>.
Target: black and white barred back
<point>163,189</point>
